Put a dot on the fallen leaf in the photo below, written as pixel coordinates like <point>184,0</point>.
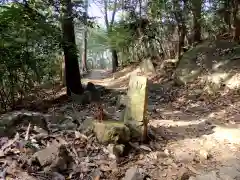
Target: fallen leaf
<point>91,165</point>
<point>191,168</point>
<point>134,145</point>
<point>9,143</point>
<point>2,153</point>
<point>3,174</point>
<point>145,148</point>
<point>57,176</point>
<point>105,168</point>
<point>99,162</point>
<point>97,177</point>
<point>80,135</point>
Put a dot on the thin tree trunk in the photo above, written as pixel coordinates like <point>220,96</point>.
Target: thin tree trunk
<point>109,30</point>
<point>236,21</point>
<point>196,10</point>
<point>227,14</point>
<point>63,72</point>
<point>182,34</point>
<point>73,80</point>
<point>114,60</point>
<point>84,54</point>
<point>182,29</point>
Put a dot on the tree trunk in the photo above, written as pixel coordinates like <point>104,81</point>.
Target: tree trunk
<point>109,26</point>
<point>73,80</point>
<point>181,23</point>
<point>236,21</point>
<point>84,59</point>
<point>114,60</point>
<point>84,54</point>
<point>227,14</point>
<point>196,10</point>
<point>63,72</point>
<point>182,33</point>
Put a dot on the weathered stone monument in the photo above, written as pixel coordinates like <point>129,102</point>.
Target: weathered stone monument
<point>133,124</point>
<point>135,111</point>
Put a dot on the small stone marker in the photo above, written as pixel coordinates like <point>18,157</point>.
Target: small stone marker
<point>135,111</point>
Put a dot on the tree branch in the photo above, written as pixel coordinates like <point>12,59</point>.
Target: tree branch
<point>114,12</point>
<point>105,14</point>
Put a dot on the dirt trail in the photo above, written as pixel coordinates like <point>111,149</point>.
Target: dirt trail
<point>98,74</point>
<point>118,80</point>
<point>195,137</point>
<point>193,141</point>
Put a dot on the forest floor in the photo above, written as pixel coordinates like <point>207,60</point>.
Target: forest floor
<point>196,136</point>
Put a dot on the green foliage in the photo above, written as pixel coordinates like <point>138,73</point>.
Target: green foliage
<point>30,37</point>
<point>161,33</point>
<point>29,47</point>
<point>98,40</point>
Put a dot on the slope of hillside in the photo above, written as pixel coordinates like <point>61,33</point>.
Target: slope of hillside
<point>196,135</point>
<point>215,62</point>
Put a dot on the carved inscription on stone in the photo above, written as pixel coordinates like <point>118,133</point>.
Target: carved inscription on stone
<point>137,103</point>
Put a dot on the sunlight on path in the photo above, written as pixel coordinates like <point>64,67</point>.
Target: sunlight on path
<point>98,74</point>
<point>118,80</point>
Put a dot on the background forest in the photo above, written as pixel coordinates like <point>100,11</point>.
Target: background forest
<point>65,94</point>
<point>35,35</point>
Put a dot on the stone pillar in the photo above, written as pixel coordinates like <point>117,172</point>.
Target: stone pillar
<point>135,112</point>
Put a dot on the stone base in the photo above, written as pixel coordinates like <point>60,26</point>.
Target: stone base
<point>111,132</point>
<point>138,130</point>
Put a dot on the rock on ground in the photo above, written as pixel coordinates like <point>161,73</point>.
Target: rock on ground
<point>53,157</point>
<point>111,132</point>
<point>135,173</point>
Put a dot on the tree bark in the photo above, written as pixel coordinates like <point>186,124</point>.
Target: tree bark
<point>181,23</point>
<point>63,72</point>
<point>109,30</point>
<point>182,33</point>
<point>84,58</point>
<point>227,14</point>
<point>196,10</point>
<point>84,54</point>
<point>114,60</point>
<point>236,21</point>
<point>73,80</point>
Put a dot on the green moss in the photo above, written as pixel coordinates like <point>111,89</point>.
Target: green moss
<point>111,132</point>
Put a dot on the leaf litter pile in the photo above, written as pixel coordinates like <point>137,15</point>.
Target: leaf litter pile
<point>184,123</point>
<point>56,145</point>
<point>34,154</point>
